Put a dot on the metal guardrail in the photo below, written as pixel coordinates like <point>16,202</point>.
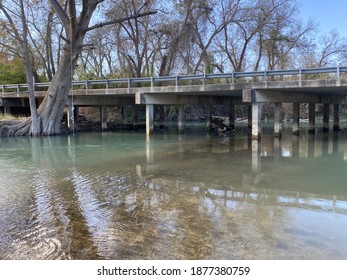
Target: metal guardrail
<point>155,81</point>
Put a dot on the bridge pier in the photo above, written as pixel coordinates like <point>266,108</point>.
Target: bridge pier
<point>256,120</point>
<point>103,117</point>
<point>277,120</point>
<point>149,119</point>
<point>311,118</point>
<point>326,109</point>
<point>249,113</point>
<point>232,116</point>
<point>337,109</point>
<point>296,118</point>
<point>208,117</point>
<point>180,119</point>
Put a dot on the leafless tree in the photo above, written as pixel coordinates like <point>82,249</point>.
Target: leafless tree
<point>76,21</point>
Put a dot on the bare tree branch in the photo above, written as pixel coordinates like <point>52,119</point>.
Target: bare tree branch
<point>119,20</point>
<point>13,26</point>
<point>61,13</point>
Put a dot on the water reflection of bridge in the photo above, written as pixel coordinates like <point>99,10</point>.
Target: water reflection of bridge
<point>229,195</point>
<point>271,162</point>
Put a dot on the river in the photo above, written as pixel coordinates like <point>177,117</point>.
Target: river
<point>118,195</point>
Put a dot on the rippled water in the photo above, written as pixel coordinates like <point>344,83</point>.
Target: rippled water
<point>192,196</point>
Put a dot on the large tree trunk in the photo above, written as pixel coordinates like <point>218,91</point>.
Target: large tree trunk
<point>51,109</point>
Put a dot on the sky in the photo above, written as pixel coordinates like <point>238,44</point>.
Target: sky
<point>329,14</point>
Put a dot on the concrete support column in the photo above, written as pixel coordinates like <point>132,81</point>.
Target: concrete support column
<point>256,120</point>
<point>103,117</point>
<point>209,117</point>
<point>326,108</point>
<point>337,109</point>
<point>70,117</point>
<point>249,112</point>
<point>278,121</point>
<point>232,116</point>
<point>296,118</point>
<point>149,119</point>
<point>311,118</point>
<point>180,120</point>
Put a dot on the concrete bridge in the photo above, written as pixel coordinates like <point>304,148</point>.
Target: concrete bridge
<point>327,86</point>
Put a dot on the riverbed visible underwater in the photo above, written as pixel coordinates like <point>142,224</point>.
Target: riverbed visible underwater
<point>198,195</point>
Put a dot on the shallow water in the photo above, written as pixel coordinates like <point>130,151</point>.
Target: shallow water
<point>191,196</point>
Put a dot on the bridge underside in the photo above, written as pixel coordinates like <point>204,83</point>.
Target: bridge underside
<point>230,95</point>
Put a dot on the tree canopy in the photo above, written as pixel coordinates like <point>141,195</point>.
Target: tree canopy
<point>185,36</point>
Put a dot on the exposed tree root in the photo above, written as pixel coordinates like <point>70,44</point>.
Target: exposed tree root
<point>15,127</point>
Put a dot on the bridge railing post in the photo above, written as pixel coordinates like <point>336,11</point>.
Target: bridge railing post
<point>107,83</point>
<point>152,82</point>
<point>3,89</point>
<point>233,77</point>
<point>203,79</point>
<point>86,85</point>
<point>177,80</point>
<point>300,77</point>
<point>18,88</point>
<point>265,78</point>
<point>129,82</point>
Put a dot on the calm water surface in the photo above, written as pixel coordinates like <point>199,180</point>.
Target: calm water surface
<point>192,196</point>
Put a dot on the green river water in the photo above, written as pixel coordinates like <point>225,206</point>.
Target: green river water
<point>191,196</point>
